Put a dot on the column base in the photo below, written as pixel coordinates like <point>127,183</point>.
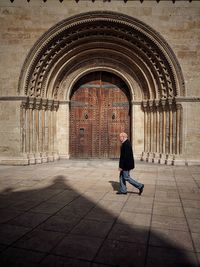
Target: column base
<point>38,158</point>
<point>28,159</point>
<point>168,159</point>
<point>64,156</point>
<point>156,158</point>
<point>56,156</point>
<point>50,158</point>
<point>31,158</point>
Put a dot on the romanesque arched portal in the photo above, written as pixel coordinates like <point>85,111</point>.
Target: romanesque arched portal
<point>101,42</point>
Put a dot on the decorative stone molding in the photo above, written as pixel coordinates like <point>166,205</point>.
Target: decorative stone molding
<point>162,130</point>
<point>67,38</point>
<point>38,129</point>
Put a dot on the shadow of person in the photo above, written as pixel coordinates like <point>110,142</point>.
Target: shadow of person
<point>56,226</point>
<point>115,185</point>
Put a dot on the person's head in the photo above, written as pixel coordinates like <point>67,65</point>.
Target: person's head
<point>123,137</point>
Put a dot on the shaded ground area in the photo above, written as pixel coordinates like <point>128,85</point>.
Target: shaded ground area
<point>67,213</point>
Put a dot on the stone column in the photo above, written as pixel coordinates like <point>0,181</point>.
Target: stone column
<point>37,129</point>
<point>63,130</point>
<point>31,129</point>
<point>44,136</point>
<point>50,134</point>
<point>151,117</point>
<point>144,107</point>
<point>40,131</point>
<point>67,127</point>
<point>167,128</point>
<point>145,125</point>
<point>23,125</point>
<point>163,156</point>
<point>160,128</point>
<point>55,149</point>
<point>174,129</point>
<point>148,128</point>
<point>157,129</point>
<point>169,143</point>
<point>178,131</point>
<point>163,102</point>
<point>170,126</point>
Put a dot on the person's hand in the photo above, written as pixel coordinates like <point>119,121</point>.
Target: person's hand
<point>120,169</point>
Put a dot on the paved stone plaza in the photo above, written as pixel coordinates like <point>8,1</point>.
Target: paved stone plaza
<point>67,213</point>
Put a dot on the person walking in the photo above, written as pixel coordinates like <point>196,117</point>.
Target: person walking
<point>126,163</point>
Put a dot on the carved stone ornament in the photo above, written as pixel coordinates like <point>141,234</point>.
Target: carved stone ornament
<point>111,38</point>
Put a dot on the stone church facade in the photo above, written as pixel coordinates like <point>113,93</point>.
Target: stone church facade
<point>74,74</point>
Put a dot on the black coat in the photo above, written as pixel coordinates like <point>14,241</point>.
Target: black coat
<point>126,161</point>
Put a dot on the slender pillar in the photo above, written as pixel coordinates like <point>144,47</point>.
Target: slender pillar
<point>31,140</point>
<point>151,125</point>
<point>163,126</point>
<point>161,129</point>
<point>157,149</point>
<point>154,128</point>
<point>27,139</point>
<point>145,125</point>
<point>178,123</point>
<point>23,125</point>
<point>170,126</point>
<point>148,128</point>
<point>40,130</point>
<point>174,130</point>
<point>44,131</point>
<point>49,118</point>
<point>37,129</point>
<point>55,149</point>
<point>167,133</point>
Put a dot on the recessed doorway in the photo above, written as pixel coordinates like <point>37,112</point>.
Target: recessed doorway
<point>99,111</point>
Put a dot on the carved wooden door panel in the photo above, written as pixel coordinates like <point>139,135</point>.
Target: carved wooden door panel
<point>99,111</point>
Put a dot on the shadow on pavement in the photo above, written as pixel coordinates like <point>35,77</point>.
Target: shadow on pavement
<point>57,226</point>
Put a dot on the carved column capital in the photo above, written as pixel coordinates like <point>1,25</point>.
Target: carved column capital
<point>170,101</point>
<point>178,106</point>
<point>55,105</point>
<point>157,104</point>
<point>38,103</point>
<point>50,105</point>
<point>144,105</point>
<point>151,105</point>
<point>44,104</point>
<point>163,104</point>
<point>171,104</point>
<point>31,103</point>
<point>24,104</point>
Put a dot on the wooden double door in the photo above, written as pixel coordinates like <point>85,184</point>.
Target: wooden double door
<point>99,111</point>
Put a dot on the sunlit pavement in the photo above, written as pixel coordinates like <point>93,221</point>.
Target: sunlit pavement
<point>67,213</point>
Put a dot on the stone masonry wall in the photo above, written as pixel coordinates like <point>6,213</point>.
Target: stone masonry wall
<point>22,23</point>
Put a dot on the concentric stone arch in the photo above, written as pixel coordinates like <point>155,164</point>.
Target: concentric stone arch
<point>110,42</point>
<point>125,39</point>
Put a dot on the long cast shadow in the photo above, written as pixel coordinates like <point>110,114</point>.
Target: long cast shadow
<point>58,226</point>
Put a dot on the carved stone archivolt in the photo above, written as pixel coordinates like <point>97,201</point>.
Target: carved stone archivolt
<point>102,41</point>
<point>130,41</point>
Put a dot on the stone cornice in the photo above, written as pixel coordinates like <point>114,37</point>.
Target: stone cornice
<point>188,99</point>
<point>13,98</point>
<point>134,102</point>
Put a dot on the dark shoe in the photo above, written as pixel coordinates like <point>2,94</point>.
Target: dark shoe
<point>141,190</point>
<point>120,193</point>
